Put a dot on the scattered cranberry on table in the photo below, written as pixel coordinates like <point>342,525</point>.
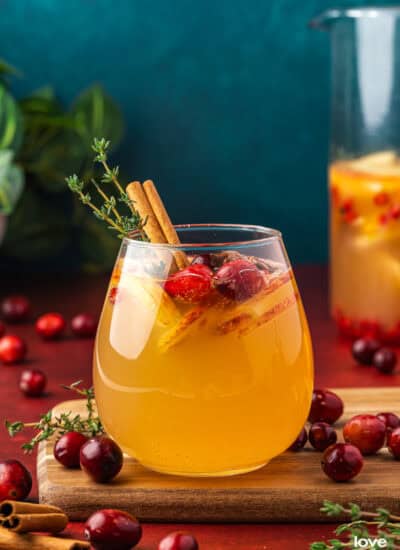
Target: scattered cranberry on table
<point>67,449</point>
<point>393,443</point>
<point>2,329</point>
<point>112,530</point>
<point>385,360</point>
<point>363,350</point>
<point>391,420</point>
<point>239,280</point>
<point>32,382</point>
<point>15,309</point>
<point>101,458</point>
<point>190,284</point>
<point>321,435</point>
<point>366,432</point>
<point>299,442</point>
<point>342,461</point>
<point>326,406</point>
<point>12,349</point>
<point>84,325</point>
<point>178,541</point>
<point>50,325</point>
<point>15,480</point>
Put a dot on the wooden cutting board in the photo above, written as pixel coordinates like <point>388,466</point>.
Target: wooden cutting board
<point>291,488</point>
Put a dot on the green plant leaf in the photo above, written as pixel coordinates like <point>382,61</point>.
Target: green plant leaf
<point>49,149</point>
<point>37,229</point>
<point>7,70</point>
<point>11,124</point>
<point>97,115</point>
<point>11,182</point>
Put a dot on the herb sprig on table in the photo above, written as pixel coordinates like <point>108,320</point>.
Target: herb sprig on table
<point>49,424</point>
<point>108,211</point>
<point>383,524</point>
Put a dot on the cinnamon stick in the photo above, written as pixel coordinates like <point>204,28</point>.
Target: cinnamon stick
<point>14,541</point>
<point>164,220</point>
<point>158,227</point>
<point>28,523</point>
<point>12,507</point>
<point>138,197</point>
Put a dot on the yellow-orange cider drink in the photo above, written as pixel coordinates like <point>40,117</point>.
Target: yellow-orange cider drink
<point>193,378</point>
<point>365,245</point>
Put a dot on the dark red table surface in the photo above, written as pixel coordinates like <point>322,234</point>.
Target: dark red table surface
<point>70,359</point>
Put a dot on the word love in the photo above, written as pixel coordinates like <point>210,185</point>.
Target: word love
<point>360,542</point>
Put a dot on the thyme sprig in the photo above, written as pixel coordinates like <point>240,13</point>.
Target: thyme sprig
<point>384,525</point>
<point>108,212</point>
<point>48,425</point>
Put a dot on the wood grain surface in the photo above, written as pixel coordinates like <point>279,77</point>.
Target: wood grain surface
<point>291,488</point>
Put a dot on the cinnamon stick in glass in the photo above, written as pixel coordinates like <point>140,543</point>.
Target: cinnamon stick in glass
<point>158,227</point>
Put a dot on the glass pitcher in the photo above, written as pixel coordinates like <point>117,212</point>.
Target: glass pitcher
<point>364,170</point>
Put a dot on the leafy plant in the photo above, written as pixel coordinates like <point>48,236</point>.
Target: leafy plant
<point>41,142</point>
<point>108,211</point>
<point>369,525</point>
<point>49,424</point>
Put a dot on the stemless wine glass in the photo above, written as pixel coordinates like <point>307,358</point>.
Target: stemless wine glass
<point>206,370</point>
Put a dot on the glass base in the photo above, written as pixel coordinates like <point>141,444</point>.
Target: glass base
<point>224,473</point>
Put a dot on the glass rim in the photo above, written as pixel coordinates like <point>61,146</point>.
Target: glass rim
<point>267,234</point>
<point>352,12</point>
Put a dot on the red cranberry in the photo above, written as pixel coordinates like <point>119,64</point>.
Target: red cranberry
<point>385,360</point>
<point>50,325</point>
<point>394,443</point>
<point>299,442</point>
<point>363,350</point>
<point>15,308</point>
<point>190,284</point>
<point>391,420</point>
<point>366,432</point>
<point>342,461</point>
<point>112,530</point>
<point>2,329</point>
<point>178,541</point>
<point>12,349</point>
<point>67,449</point>
<point>239,280</point>
<point>15,480</point>
<point>322,435</point>
<point>101,458</point>
<point>84,325</point>
<point>32,382</point>
<point>326,406</point>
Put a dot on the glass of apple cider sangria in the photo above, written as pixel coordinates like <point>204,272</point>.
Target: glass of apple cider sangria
<point>203,361</point>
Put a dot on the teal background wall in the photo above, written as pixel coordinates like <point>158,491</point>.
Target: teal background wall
<point>226,101</point>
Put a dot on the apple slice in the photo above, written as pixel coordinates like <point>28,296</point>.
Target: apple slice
<point>263,307</point>
<point>185,326</point>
